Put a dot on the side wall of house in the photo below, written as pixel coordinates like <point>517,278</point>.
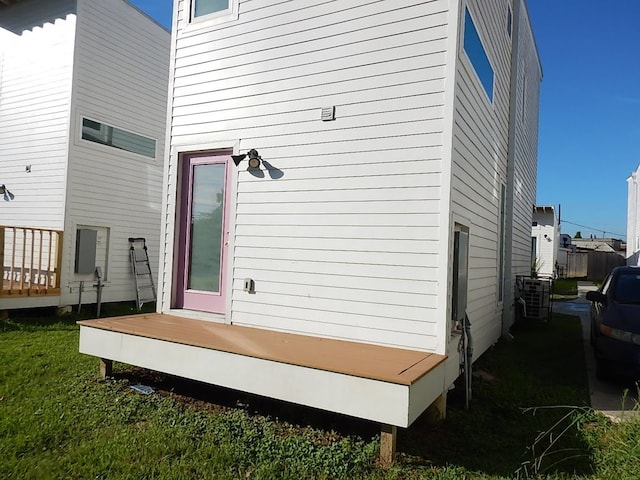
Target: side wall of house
<point>529,76</point>
<point>479,163</point>
<point>633,220</point>
<point>545,232</point>
<point>341,234</point>
<point>526,101</point>
<point>120,80</point>
<point>36,72</point>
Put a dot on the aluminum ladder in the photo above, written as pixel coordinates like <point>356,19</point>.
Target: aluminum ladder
<point>143,278</point>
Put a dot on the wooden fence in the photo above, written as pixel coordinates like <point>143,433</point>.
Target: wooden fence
<point>592,265</point>
<point>31,259</point>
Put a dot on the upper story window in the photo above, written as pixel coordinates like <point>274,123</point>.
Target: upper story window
<point>478,55</point>
<point>200,8</point>
<point>116,137</point>
<point>509,21</point>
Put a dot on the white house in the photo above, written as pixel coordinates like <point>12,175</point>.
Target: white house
<point>633,219</point>
<point>386,171</point>
<point>545,240</point>
<point>83,102</point>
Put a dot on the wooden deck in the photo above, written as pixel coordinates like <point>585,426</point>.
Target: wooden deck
<point>12,289</point>
<point>30,262</point>
<point>386,364</point>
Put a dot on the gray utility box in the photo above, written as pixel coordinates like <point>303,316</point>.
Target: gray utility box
<point>86,241</point>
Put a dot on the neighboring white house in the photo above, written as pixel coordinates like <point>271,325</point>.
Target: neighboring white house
<point>565,250</point>
<point>83,102</point>
<point>633,219</point>
<point>545,240</point>
<point>396,152</point>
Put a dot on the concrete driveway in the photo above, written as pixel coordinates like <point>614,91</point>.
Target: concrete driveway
<point>608,398</point>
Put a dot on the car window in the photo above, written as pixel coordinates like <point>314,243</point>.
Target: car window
<point>627,289</point>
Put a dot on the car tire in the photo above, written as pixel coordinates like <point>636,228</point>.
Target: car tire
<point>602,370</point>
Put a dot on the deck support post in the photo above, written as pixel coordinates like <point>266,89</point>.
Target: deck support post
<point>106,368</point>
<point>437,411</point>
<point>388,437</point>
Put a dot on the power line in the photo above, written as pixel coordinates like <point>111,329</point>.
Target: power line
<point>620,235</point>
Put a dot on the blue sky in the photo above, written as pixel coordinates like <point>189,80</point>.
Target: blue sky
<point>589,110</point>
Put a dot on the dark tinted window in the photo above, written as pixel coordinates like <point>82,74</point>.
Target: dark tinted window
<point>627,288</point>
<point>116,137</point>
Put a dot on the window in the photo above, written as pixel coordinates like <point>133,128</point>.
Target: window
<point>627,289</point>
<point>207,7</point>
<point>534,250</point>
<point>501,242</point>
<point>477,55</point>
<point>523,104</point>
<point>509,21</point>
<point>115,137</point>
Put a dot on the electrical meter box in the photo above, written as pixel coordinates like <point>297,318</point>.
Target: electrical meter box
<point>86,241</point>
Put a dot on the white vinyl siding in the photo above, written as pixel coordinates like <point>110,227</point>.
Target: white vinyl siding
<point>343,240</point>
<point>526,144</point>
<point>480,165</point>
<point>34,113</point>
<point>633,219</point>
<point>121,79</point>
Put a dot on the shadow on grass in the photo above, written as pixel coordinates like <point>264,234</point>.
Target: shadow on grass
<point>543,366</point>
<point>216,399</point>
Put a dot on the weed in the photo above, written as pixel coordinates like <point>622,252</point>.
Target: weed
<point>549,448</point>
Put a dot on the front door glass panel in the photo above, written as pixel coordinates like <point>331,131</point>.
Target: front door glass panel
<point>207,220</point>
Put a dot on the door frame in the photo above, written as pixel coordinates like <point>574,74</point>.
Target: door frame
<point>180,234</point>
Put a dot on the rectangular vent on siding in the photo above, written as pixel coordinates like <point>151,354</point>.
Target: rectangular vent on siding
<point>328,114</point>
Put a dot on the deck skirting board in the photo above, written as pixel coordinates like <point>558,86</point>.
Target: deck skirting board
<point>12,302</point>
<point>375,400</point>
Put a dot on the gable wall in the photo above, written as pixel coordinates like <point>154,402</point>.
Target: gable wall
<point>36,78</point>
<point>121,79</point>
<point>479,164</point>
<point>345,243</point>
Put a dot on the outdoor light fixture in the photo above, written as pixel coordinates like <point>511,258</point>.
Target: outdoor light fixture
<point>254,158</point>
<point>6,193</point>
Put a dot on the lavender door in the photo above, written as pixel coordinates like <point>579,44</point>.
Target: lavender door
<point>202,254</point>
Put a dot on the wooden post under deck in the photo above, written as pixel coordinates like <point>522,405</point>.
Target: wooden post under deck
<point>106,368</point>
<point>388,438</point>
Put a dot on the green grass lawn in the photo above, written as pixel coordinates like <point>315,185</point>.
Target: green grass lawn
<point>565,287</point>
<point>58,421</point>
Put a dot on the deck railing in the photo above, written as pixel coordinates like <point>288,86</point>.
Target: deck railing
<point>31,259</point>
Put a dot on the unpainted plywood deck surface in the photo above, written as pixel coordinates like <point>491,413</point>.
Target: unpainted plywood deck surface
<point>387,364</point>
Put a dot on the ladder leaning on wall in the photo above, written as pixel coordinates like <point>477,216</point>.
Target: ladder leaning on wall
<point>142,276</point>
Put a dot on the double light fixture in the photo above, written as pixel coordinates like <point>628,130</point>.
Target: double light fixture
<point>6,193</point>
<point>254,158</point>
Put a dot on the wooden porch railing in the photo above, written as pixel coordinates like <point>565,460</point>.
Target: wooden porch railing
<point>31,259</point>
